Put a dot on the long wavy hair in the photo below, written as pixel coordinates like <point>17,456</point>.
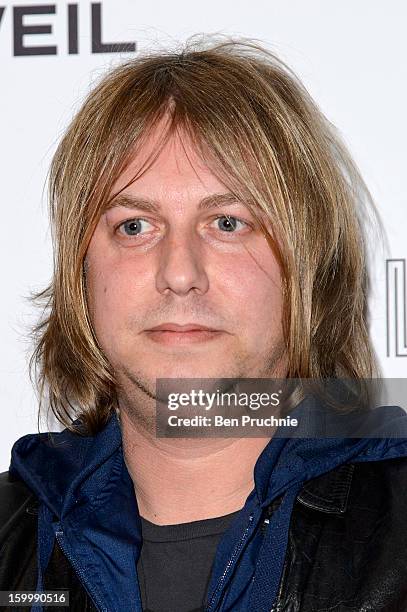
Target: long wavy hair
<point>260,132</point>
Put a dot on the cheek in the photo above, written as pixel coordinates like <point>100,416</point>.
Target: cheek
<point>252,291</point>
<point>113,291</point>
<point>103,289</point>
<point>115,278</point>
<point>250,278</point>
<point>110,303</point>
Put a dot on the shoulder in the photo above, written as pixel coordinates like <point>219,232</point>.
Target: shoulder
<point>380,486</point>
<point>16,499</point>
<point>350,527</point>
<point>386,475</point>
<point>361,489</point>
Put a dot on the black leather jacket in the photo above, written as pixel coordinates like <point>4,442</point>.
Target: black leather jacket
<point>347,543</point>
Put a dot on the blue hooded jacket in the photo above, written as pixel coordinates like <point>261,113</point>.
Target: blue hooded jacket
<point>88,503</point>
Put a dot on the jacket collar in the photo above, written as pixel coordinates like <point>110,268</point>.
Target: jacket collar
<point>329,492</point>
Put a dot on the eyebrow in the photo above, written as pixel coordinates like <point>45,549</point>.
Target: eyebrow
<point>129,201</point>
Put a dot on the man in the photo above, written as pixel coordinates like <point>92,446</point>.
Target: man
<point>207,225</point>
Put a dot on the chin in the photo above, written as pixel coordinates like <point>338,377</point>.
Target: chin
<point>191,368</point>
<point>187,372</point>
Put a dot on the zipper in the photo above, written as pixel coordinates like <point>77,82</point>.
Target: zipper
<point>266,521</point>
<point>231,561</point>
<point>270,509</point>
<point>59,534</point>
<point>263,526</point>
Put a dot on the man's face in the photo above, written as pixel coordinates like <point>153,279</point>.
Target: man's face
<point>181,261</point>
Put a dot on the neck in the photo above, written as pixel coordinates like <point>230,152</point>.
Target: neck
<point>183,480</point>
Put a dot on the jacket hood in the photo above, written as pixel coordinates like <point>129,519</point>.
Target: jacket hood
<point>88,503</point>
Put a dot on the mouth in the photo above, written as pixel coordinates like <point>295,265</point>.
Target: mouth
<point>174,334</point>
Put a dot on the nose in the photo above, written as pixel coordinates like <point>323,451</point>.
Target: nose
<point>181,266</point>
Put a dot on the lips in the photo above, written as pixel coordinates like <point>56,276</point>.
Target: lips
<point>174,336</point>
<point>174,327</point>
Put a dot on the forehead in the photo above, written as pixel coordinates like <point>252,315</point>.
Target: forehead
<point>173,170</point>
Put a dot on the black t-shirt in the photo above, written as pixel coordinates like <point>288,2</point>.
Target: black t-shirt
<point>175,563</point>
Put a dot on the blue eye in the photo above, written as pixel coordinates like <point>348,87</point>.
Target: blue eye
<point>228,223</point>
<point>132,227</point>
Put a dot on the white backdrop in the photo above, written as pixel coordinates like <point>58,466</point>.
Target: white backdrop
<point>351,55</point>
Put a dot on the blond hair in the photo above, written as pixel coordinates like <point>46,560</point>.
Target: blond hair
<point>258,130</point>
